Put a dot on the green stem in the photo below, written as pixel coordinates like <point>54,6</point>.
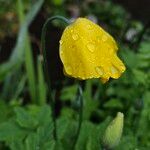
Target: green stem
<point>45,63</point>
<point>20,11</point>
<point>80,99</point>
<point>29,64</point>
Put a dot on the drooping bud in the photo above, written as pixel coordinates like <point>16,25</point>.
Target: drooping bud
<point>113,132</point>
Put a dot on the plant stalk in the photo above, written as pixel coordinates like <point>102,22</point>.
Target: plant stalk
<point>45,64</point>
<point>80,99</point>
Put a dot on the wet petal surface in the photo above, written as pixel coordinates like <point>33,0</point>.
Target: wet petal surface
<point>87,51</point>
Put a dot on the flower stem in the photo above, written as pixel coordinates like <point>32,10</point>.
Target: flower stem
<point>45,64</point>
<point>80,99</point>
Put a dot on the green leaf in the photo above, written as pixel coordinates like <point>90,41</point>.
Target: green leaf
<point>24,119</point>
<point>129,58</point>
<point>93,141</point>
<point>49,145</point>
<point>69,93</point>
<point>86,130</point>
<point>5,111</point>
<point>17,145</point>
<point>69,132</point>
<point>10,131</point>
<point>31,142</point>
<point>140,76</point>
<point>63,125</point>
<point>44,115</point>
<point>113,103</point>
<point>45,134</point>
<point>90,136</point>
<point>127,142</point>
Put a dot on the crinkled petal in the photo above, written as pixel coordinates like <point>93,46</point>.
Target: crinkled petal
<point>87,51</point>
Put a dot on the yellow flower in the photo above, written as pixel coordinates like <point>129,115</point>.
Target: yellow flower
<point>87,51</point>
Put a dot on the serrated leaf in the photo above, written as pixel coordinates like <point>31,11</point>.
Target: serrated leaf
<point>5,111</point>
<point>45,134</point>
<point>129,58</point>
<point>31,142</point>
<point>10,131</point>
<point>44,115</point>
<point>17,145</point>
<point>63,124</point>
<point>69,135</point>
<point>50,145</point>
<point>24,119</point>
<point>140,76</point>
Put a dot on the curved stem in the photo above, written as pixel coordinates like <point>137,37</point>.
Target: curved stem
<point>45,63</point>
<point>80,99</point>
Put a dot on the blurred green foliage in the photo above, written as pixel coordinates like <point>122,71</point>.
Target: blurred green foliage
<point>25,118</point>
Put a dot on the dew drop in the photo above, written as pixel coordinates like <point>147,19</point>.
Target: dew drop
<point>61,52</point>
<point>61,42</point>
<point>122,68</point>
<point>75,36</point>
<point>99,70</point>
<point>99,40</point>
<point>89,27</point>
<point>69,69</point>
<point>104,38</point>
<point>91,47</point>
<point>114,70</point>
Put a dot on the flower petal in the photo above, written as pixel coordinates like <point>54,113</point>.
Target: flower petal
<point>87,51</point>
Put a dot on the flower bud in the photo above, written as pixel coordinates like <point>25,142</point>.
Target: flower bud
<point>113,132</point>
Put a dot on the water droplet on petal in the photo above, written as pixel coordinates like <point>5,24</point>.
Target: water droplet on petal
<point>69,69</point>
<point>99,70</point>
<point>61,52</point>
<point>75,36</point>
<point>61,42</point>
<point>114,70</point>
<point>89,27</point>
<point>104,38</point>
<point>99,39</point>
<point>91,47</point>
<point>122,68</point>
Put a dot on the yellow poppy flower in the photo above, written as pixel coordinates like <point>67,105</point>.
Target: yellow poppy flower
<point>87,51</point>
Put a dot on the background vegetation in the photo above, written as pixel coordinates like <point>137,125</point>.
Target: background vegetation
<point>25,114</point>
